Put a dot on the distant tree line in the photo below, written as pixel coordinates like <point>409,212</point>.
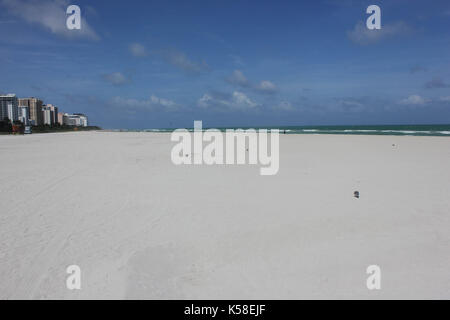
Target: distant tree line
<point>7,127</point>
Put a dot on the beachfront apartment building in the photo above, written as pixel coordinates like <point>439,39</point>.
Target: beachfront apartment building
<point>76,119</point>
<point>50,114</point>
<point>47,115</point>
<point>9,107</point>
<point>60,118</point>
<point>24,115</point>
<point>35,109</point>
<point>54,113</point>
<point>83,119</point>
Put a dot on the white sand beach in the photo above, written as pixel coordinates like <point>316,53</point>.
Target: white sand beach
<point>140,227</point>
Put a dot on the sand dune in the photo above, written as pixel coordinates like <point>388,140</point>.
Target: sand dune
<point>140,227</point>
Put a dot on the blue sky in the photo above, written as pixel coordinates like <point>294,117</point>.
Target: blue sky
<point>149,64</point>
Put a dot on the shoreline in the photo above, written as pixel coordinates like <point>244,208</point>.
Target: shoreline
<point>169,132</point>
<point>401,130</point>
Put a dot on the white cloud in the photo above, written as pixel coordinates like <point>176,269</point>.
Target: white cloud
<point>415,100</point>
<point>181,61</point>
<point>361,35</point>
<point>171,56</point>
<point>238,78</point>
<point>224,102</point>
<point>138,50</point>
<point>50,14</point>
<point>240,99</point>
<point>162,102</point>
<point>152,103</point>
<point>266,87</point>
<point>116,78</point>
<point>445,99</point>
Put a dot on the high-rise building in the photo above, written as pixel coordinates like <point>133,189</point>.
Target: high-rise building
<point>35,108</point>
<point>60,118</point>
<point>50,114</point>
<point>9,107</point>
<point>47,115</point>
<point>24,115</point>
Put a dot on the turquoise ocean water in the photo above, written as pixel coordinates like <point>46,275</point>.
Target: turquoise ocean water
<point>402,130</point>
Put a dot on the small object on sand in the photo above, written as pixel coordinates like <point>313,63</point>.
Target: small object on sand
<point>356,194</point>
<point>393,145</point>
